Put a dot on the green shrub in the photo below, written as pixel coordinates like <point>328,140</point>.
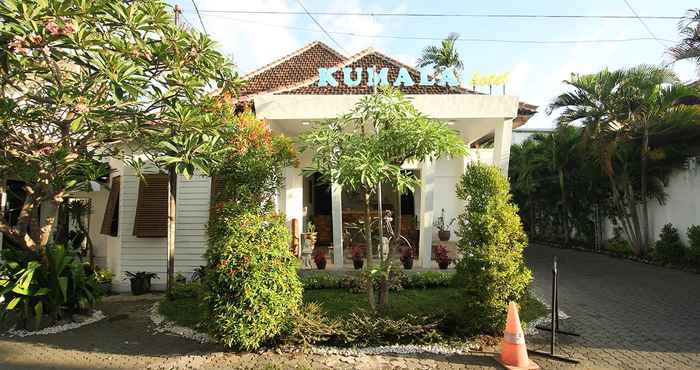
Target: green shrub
<point>186,290</point>
<point>492,272</point>
<point>619,246</point>
<point>61,286</point>
<point>312,326</point>
<point>669,247</point>
<point>694,241</point>
<point>252,279</point>
<point>428,279</point>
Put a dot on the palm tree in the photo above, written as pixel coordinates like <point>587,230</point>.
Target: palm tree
<point>620,111</point>
<point>524,164</point>
<point>689,46</point>
<point>561,146</point>
<point>443,56</point>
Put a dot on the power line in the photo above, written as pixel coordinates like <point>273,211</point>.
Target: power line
<point>321,27</point>
<point>455,15</point>
<point>429,38</point>
<point>199,16</point>
<point>643,23</point>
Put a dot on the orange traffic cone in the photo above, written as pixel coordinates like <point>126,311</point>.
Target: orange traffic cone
<point>513,350</point>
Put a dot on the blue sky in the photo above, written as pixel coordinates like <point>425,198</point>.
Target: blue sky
<point>536,71</point>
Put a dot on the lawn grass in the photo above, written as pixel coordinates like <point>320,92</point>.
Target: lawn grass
<point>340,303</point>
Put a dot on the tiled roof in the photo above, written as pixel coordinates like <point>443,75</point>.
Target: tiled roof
<point>297,73</point>
<point>291,70</point>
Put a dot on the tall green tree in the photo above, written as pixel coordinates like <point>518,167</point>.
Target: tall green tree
<point>83,81</point>
<point>624,113</point>
<point>443,56</point>
<point>366,147</point>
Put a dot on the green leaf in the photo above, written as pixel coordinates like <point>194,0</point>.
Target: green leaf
<point>77,124</point>
<point>13,303</point>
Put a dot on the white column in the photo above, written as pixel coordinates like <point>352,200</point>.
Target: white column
<point>425,244</point>
<point>337,215</point>
<point>501,145</point>
<point>292,197</point>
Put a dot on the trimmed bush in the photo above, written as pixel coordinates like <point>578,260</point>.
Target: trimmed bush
<point>492,272</point>
<point>253,284</point>
<point>669,247</point>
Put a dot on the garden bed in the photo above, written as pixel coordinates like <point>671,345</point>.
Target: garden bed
<point>407,307</point>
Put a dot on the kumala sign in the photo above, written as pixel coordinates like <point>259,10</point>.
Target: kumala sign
<point>381,77</point>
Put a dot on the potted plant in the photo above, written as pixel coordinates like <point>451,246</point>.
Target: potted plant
<point>140,281</point>
<point>307,249</point>
<point>320,260</point>
<point>104,278</point>
<point>442,257</point>
<point>407,258</point>
<point>358,256</point>
<point>443,226</point>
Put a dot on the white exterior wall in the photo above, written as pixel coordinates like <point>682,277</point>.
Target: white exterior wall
<point>150,254</point>
<point>682,206</point>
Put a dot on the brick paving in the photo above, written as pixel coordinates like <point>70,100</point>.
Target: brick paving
<point>630,315</point>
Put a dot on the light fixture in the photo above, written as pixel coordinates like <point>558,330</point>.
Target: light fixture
<point>305,123</point>
<point>450,123</point>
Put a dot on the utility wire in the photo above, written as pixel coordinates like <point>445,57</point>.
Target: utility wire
<point>447,15</point>
<point>199,16</point>
<point>321,27</point>
<point>643,23</point>
<point>429,38</point>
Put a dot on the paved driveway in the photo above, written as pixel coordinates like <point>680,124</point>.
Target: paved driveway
<point>630,315</point>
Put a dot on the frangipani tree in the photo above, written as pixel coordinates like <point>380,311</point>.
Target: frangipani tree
<point>83,81</point>
<point>367,147</point>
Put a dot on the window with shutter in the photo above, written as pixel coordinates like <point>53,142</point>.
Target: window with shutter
<point>217,186</point>
<point>110,222</point>
<point>151,219</point>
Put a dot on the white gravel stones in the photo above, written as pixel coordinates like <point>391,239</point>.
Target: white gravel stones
<point>165,326</point>
<point>62,326</point>
<point>436,349</point>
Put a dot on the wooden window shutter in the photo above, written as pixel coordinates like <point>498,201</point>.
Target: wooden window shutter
<point>217,186</point>
<point>151,219</point>
<point>110,222</point>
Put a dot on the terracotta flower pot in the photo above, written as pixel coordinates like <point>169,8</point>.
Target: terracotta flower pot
<point>443,264</point>
<point>444,235</point>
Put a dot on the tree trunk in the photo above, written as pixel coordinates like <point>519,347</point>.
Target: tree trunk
<point>172,215</point>
<point>368,239</point>
<point>645,211</point>
<point>564,208</point>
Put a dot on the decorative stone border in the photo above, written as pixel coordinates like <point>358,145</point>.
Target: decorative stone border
<point>95,316</point>
<point>162,325</point>
<point>436,349</point>
<point>544,320</point>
